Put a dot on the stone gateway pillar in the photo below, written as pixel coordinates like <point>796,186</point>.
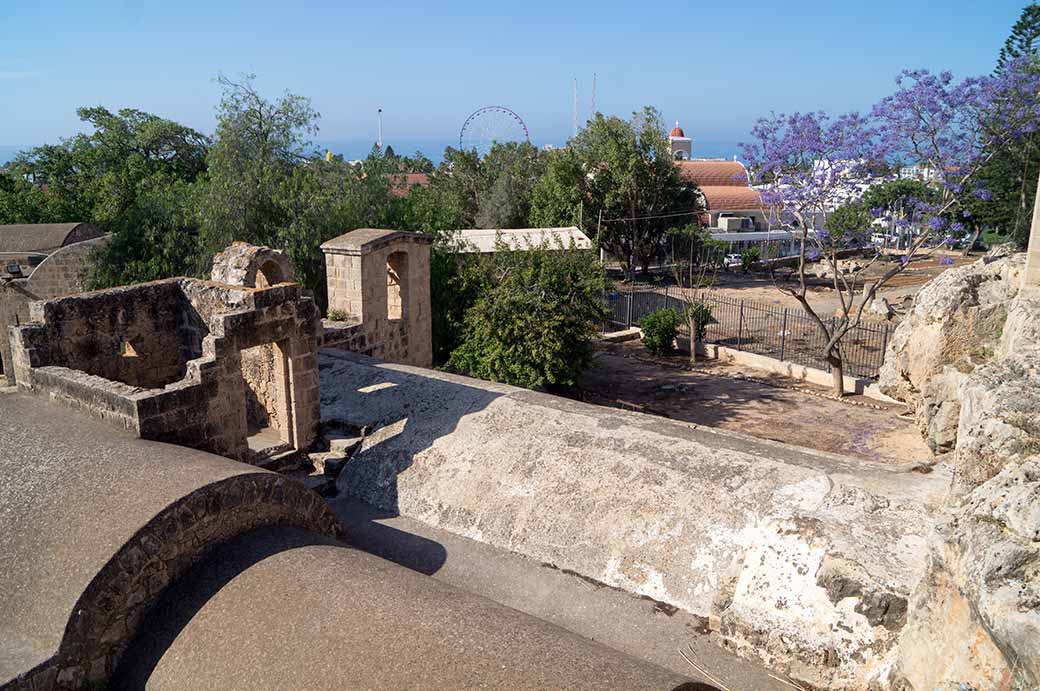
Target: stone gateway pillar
<point>379,295</point>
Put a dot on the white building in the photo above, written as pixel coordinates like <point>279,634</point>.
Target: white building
<point>682,146</point>
<point>487,241</point>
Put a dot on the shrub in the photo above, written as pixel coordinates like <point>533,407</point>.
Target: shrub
<point>659,329</point>
<point>749,257</point>
<point>701,316</point>
<point>338,316</point>
<point>534,320</point>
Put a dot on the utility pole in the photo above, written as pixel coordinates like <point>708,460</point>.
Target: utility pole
<point>379,117</point>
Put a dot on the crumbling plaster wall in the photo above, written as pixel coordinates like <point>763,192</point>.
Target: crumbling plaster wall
<point>803,559</point>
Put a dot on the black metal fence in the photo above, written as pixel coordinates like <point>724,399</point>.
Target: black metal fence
<point>785,333</point>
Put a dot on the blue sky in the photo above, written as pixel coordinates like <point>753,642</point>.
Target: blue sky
<point>715,66</point>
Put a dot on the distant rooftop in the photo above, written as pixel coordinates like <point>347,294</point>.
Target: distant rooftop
<point>483,240</point>
<point>44,238</point>
<point>714,172</point>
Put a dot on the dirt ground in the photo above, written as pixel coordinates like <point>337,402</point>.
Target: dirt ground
<point>718,395</point>
<point>760,287</point>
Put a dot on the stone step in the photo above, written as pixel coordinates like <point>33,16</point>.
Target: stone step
<point>344,446</point>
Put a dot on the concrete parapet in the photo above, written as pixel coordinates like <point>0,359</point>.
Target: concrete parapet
<point>804,559</point>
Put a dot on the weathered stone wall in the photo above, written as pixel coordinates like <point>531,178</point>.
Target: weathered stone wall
<point>128,335</point>
<point>62,273</point>
<point>972,368</point>
<point>379,284</point>
<point>804,559</point>
<point>955,324</point>
<point>72,352</point>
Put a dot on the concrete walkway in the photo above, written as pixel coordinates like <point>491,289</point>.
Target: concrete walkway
<point>638,626</point>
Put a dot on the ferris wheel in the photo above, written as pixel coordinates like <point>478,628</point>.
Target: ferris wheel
<point>489,126</point>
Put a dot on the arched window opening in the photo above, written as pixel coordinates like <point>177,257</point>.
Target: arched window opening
<point>396,287</point>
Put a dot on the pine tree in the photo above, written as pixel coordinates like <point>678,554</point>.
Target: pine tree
<point>1012,174</point>
<point>1024,38</point>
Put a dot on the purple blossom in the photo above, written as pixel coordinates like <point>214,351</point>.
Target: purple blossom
<point>936,223</point>
<point>983,194</point>
<point>956,227</point>
<point>946,261</point>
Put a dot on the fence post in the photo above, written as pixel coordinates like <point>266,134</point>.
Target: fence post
<point>783,335</point>
<point>740,326</point>
<point>628,312</point>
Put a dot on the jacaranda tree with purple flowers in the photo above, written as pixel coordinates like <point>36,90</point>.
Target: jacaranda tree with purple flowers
<point>807,165</point>
<point>954,129</point>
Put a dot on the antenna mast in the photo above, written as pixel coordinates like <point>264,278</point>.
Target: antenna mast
<point>592,106</point>
<point>379,116</point>
<point>574,107</point>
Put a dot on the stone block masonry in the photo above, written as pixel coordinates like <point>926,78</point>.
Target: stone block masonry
<point>379,292</point>
<point>202,364</point>
<point>62,273</point>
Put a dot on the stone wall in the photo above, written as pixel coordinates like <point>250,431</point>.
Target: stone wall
<point>64,272</point>
<point>379,295</point>
<point>185,382</point>
<point>968,360</point>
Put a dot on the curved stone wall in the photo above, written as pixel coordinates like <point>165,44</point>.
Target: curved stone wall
<point>92,548</point>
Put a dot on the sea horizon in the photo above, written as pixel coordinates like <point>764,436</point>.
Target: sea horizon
<point>431,147</point>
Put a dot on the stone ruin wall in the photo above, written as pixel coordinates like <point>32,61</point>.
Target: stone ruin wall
<point>62,273</point>
<point>379,292</point>
<point>164,360</point>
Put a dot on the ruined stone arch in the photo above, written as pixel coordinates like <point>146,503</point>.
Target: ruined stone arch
<point>252,266</point>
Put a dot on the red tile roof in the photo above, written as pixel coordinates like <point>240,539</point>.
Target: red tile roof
<point>714,173</point>
<point>730,198</point>
<point>676,131</point>
<point>402,183</point>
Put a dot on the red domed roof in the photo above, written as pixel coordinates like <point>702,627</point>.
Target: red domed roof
<point>676,131</point>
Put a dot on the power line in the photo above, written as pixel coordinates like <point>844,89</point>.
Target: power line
<point>643,218</point>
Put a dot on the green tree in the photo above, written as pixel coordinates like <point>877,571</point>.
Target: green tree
<point>1011,174</point>
<point>627,173</point>
<point>557,198</point>
<point>509,172</point>
<point>535,316</point>
<point>849,222</point>
<point>132,175</point>
<point>258,145</point>
<point>1024,40</point>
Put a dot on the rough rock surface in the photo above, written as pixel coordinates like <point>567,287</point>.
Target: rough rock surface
<point>975,617</point>
<point>955,320</point>
<point>805,559</point>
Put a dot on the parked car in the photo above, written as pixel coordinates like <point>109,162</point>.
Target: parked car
<point>884,239</point>
<point>731,260</point>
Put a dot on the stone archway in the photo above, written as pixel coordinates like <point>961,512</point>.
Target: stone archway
<point>252,266</point>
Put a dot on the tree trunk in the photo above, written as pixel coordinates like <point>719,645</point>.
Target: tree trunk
<point>837,373</point>
<point>971,243</point>
<point>693,340</point>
